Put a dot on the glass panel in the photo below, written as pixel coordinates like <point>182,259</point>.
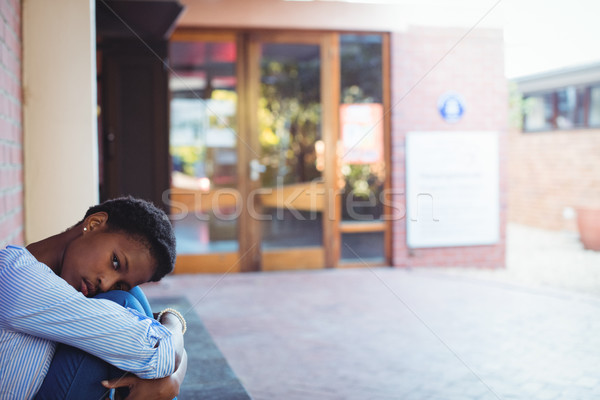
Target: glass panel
<point>290,135</point>
<point>580,107</point>
<point>539,112</point>
<point>594,118</point>
<point>365,246</point>
<point>361,121</point>
<point>203,144</point>
<point>361,62</point>
<point>570,107</point>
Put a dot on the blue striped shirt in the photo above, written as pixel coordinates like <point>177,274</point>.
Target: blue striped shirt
<point>38,308</point>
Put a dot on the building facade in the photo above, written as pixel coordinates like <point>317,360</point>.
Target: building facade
<point>553,156</point>
<point>11,125</point>
<point>302,135</point>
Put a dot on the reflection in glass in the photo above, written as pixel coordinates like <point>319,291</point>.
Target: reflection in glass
<point>594,113</point>
<point>539,112</point>
<point>570,107</point>
<point>365,246</point>
<point>362,136</point>
<point>361,119</point>
<point>289,118</point>
<point>203,144</point>
<point>289,112</point>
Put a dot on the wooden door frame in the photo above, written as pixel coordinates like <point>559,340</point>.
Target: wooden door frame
<point>330,86</point>
<point>216,262</point>
<point>249,235</point>
<point>386,225</point>
<point>251,255</point>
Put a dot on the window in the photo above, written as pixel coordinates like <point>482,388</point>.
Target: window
<point>565,108</point>
<point>570,107</point>
<point>539,111</point>
<point>594,111</point>
<point>362,136</point>
<point>203,145</point>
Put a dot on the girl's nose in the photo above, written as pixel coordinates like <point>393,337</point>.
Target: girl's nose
<point>108,281</point>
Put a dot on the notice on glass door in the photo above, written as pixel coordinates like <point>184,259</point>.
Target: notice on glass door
<point>452,189</point>
<point>362,133</point>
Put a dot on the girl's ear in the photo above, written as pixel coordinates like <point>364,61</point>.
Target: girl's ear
<point>95,221</point>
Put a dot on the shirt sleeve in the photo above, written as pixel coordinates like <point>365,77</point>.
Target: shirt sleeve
<point>36,301</point>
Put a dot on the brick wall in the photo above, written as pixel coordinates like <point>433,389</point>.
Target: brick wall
<point>550,171</point>
<point>11,131</point>
<point>475,69</point>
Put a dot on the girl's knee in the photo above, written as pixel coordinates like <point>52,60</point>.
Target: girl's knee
<point>122,298</point>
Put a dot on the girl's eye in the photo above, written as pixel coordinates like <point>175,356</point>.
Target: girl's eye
<point>116,263</point>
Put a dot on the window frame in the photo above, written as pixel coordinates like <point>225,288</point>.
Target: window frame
<point>583,106</point>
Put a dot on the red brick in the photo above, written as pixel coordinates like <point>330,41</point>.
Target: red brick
<point>12,178</point>
<point>415,89</point>
<point>3,157</point>
<point>4,106</point>
<point>19,240</point>
<point>542,167</point>
<point>11,154</point>
<point>18,156</point>
<point>12,42</point>
<point>5,231</point>
<point>16,221</point>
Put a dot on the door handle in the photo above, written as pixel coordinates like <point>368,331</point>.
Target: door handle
<point>256,168</point>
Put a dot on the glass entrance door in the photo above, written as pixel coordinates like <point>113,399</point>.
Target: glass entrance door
<point>365,222</point>
<point>204,196</point>
<point>291,147</point>
<point>279,150</point>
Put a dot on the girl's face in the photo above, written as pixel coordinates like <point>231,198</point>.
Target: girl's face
<point>101,260</point>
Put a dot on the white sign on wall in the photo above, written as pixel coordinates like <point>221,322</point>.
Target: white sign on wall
<point>452,189</point>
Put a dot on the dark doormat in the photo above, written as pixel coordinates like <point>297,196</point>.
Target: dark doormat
<point>208,376</point>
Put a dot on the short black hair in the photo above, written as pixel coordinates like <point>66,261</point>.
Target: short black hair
<point>146,223</point>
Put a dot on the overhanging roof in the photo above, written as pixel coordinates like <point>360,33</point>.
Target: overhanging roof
<point>570,76</point>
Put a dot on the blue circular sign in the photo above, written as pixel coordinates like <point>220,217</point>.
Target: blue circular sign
<point>451,106</point>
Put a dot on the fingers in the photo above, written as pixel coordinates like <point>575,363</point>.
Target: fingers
<point>118,382</point>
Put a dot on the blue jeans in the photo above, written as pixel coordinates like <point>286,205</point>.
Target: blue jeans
<point>75,374</point>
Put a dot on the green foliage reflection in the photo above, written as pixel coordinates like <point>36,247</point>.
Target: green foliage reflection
<point>289,116</point>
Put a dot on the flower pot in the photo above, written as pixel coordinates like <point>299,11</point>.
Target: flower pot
<point>588,222</point>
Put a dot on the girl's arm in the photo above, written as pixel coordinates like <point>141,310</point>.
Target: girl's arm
<point>36,301</point>
<point>151,389</point>
<point>156,389</point>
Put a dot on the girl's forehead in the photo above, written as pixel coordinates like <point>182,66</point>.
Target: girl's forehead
<point>134,246</point>
<point>131,241</point>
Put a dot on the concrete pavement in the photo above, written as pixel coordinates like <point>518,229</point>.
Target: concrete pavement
<point>381,333</point>
<point>541,258</point>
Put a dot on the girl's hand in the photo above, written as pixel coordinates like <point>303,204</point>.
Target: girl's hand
<point>154,389</point>
<point>145,389</point>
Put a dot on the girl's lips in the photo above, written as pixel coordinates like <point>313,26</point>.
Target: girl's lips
<point>87,288</point>
<point>84,288</point>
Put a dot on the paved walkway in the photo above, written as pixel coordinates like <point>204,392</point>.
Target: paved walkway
<point>400,334</point>
<point>540,258</point>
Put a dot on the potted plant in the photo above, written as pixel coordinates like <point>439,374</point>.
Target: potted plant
<point>588,223</point>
